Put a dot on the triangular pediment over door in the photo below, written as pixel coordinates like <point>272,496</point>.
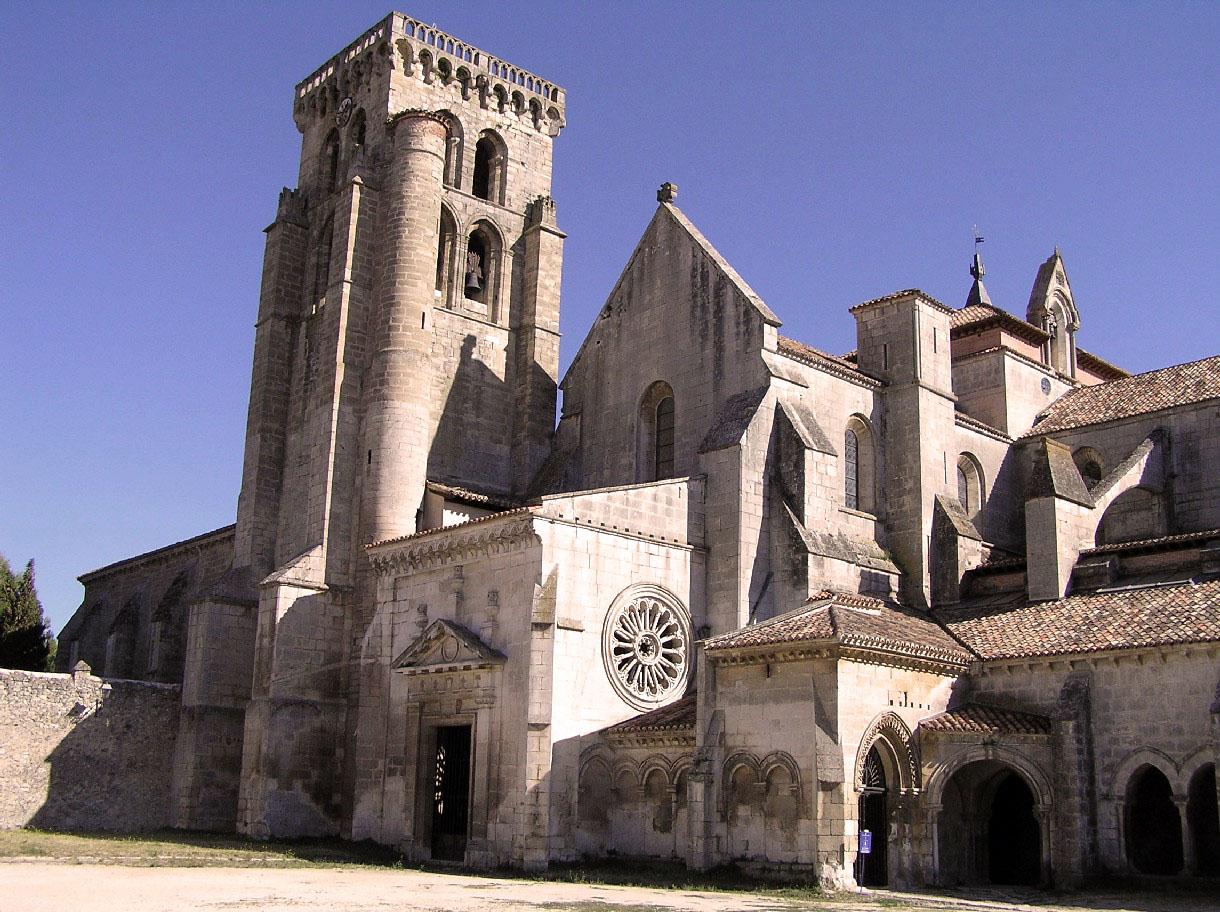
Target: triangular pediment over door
<point>446,646</point>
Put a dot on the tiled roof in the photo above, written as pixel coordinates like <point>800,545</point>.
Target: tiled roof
<point>1181,384</point>
<point>974,317</point>
<point>1112,618</point>
<point>974,718</point>
<point>474,498</point>
<point>850,620</point>
<point>818,358</point>
<point>677,716</point>
<point>1153,544</point>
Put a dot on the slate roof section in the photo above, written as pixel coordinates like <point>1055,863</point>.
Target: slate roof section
<point>806,425</point>
<point>676,716</point>
<point>977,719</point>
<point>1140,394</point>
<point>1108,619</point>
<point>847,619</point>
<point>731,421</point>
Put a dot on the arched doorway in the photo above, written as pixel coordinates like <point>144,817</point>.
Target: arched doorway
<point>1013,842</point>
<point>872,869</point>
<point>1152,824</point>
<point>1203,818</point>
<point>988,831</point>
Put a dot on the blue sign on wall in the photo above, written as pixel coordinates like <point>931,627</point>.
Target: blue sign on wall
<point>866,842</point>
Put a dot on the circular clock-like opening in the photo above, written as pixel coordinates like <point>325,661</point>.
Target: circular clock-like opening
<point>646,647</point>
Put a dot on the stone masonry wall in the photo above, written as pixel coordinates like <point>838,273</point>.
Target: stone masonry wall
<point>1148,706</point>
<point>81,753</point>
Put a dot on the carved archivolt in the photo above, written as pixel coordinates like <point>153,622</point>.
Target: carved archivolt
<point>890,729</point>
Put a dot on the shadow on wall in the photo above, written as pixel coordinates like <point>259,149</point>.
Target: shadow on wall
<point>475,428</point>
<point>110,758</point>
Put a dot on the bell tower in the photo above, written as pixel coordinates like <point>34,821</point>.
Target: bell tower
<point>407,334</point>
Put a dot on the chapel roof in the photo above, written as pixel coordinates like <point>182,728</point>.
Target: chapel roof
<point>676,716</point>
<point>1118,617</point>
<point>848,619</point>
<point>976,718</point>
<point>1180,384</point>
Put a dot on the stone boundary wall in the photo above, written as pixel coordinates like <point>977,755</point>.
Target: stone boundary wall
<point>79,752</point>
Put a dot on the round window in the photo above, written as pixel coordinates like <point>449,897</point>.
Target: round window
<point>646,646</point>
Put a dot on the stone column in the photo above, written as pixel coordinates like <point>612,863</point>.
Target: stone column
<point>398,423</point>
<point>1190,862</point>
<point>932,873</point>
<point>1044,814</point>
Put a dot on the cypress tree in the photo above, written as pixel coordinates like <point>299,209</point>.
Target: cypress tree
<point>26,641</point>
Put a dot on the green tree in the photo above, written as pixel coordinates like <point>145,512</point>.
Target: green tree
<point>26,641</point>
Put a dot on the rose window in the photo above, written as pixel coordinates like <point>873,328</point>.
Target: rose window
<point>646,642</point>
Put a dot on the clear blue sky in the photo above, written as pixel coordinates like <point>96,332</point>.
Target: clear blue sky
<point>831,152</point>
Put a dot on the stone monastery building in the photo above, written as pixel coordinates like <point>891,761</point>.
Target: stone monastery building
<point>953,596</point>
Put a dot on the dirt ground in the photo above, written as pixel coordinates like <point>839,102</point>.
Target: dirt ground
<point>39,886</point>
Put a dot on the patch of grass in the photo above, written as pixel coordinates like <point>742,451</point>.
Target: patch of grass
<point>190,849</point>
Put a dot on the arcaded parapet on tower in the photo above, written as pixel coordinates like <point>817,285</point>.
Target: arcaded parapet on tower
<point>407,337</point>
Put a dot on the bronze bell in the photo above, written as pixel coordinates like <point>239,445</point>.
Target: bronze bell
<point>474,274</point>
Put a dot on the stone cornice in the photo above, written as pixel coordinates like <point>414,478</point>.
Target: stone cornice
<point>458,543</point>
<point>658,738</point>
<point>864,653</point>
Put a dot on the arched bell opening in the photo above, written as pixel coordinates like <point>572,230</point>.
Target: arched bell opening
<point>989,829</point>
<point>490,164</point>
<point>480,271</point>
<point>331,154</point>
